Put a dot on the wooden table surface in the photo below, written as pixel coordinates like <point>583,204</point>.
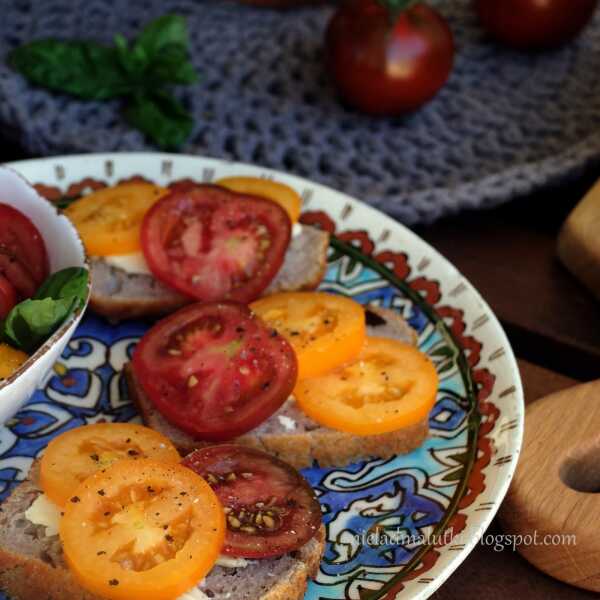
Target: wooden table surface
<point>553,323</point>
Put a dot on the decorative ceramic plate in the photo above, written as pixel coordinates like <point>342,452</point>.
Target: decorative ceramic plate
<point>396,528</point>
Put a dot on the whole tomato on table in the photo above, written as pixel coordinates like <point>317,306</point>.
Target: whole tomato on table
<point>388,57</point>
<point>535,24</point>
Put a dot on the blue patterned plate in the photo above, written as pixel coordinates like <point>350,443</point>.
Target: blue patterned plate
<point>396,528</point>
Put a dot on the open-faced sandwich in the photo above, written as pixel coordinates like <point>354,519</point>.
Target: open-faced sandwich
<point>112,512</point>
<point>300,375</point>
<point>153,250</point>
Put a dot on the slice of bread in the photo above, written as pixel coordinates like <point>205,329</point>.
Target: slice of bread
<point>32,565</point>
<point>119,295</point>
<point>294,437</point>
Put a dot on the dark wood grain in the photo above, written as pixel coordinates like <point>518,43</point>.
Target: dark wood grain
<point>539,382</point>
<point>509,256</point>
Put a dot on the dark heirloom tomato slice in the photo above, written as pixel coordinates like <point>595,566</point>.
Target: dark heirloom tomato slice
<point>215,370</point>
<point>23,257</point>
<point>270,508</point>
<point>214,244</point>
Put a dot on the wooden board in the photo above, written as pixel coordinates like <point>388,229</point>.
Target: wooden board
<point>553,496</point>
<point>579,241</point>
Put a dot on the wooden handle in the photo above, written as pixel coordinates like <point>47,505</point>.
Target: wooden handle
<point>553,494</point>
<point>579,241</point>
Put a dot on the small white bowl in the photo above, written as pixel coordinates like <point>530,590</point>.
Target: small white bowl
<point>65,249</point>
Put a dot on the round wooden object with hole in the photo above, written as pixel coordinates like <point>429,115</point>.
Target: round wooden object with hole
<point>552,504</point>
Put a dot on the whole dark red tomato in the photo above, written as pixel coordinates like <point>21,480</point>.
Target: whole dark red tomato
<point>387,65</point>
<point>535,24</point>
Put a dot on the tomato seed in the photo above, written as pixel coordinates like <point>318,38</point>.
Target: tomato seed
<point>248,529</point>
<point>269,522</point>
<point>234,522</point>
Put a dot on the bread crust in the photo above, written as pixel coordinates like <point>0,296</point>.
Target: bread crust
<point>295,586</point>
<point>116,309</point>
<point>326,446</point>
<point>28,577</point>
<point>154,299</point>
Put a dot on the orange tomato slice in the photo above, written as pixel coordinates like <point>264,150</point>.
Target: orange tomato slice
<point>10,360</point>
<point>109,220</point>
<point>73,456</point>
<point>280,193</point>
<point>325,330</point>
<point>388,386</point>
<point>142,529</point>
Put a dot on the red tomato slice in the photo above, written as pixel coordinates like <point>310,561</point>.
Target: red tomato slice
<point>270,508</point>
<point>20,241</point>
<point>8,297</point>
<point>215,370</point>
<point>18,275</point>
<point>214,244</point>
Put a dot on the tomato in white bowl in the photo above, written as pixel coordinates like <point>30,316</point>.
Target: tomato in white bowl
<point>35,241</point>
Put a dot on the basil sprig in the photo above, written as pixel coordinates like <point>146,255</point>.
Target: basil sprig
<point>138,72</point>
<point>31,322</point>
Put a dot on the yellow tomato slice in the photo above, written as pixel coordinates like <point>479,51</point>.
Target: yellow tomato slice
<point>283,194</point>
<point>325,330</point>
<point>142,529</point>
<point>109,220</point>
<point>10,360</point>
<point>389,385</point>
<point>73,456</point>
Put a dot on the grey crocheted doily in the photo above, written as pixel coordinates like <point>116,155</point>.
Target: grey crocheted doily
<point>505,124</point>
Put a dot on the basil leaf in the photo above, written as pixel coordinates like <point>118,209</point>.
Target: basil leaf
<point>31,322</point>
<point>70,283</point>
<point>138,71</point>
<point>165,43</point>
<point>134,61</point>
<point>161,117</point>
<point>161,33</point>
<point>172,65</point>
<point>83,69</point>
